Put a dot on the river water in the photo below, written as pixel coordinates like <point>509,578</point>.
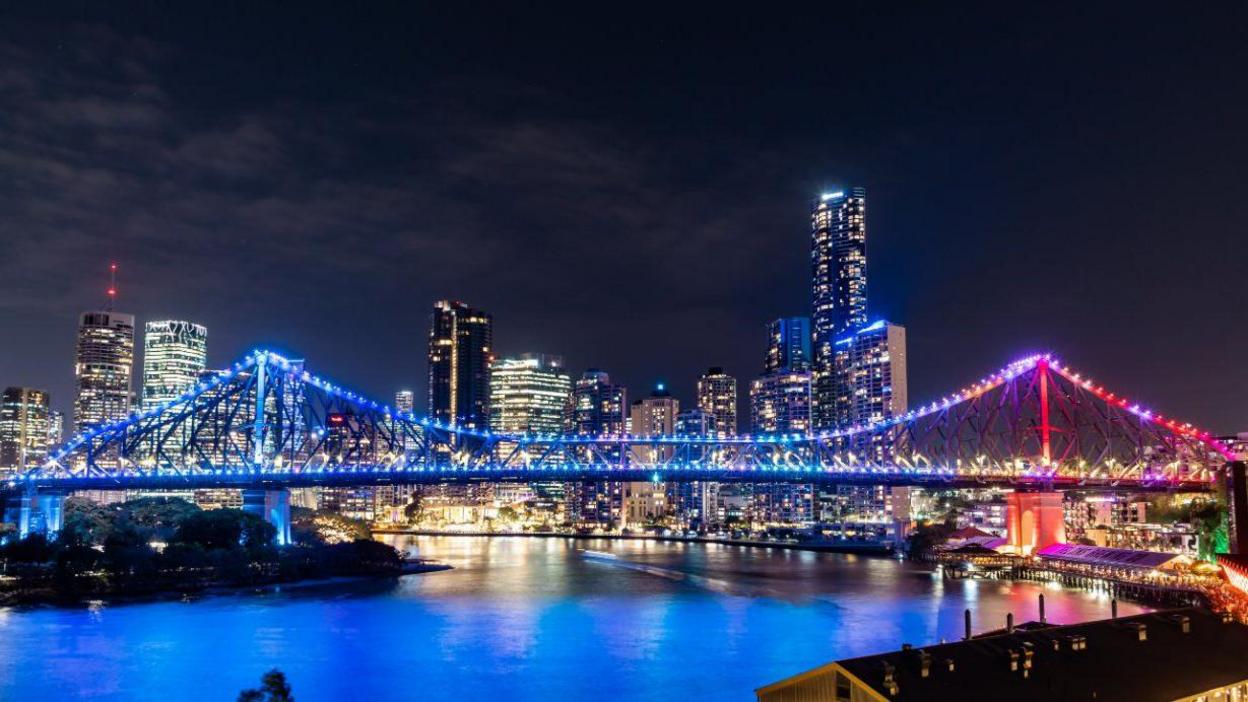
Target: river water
<point>518,619</point>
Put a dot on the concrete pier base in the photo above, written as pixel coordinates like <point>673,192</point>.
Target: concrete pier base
<point>35,512</point>
<point>1035,520</point>
<point>274,507</point>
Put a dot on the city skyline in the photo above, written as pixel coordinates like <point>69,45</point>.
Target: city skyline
<point>478,352</point>
<point>570,214</point>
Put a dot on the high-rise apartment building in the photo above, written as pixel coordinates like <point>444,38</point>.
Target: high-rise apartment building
<point>788,344</point>
<point>461,343</point>
<point>650,416</point>
<point>717,397</point>
<point>838,286</point>
<point>598,408</point>
<point>838,226</point>
<point>655,415</point>
<point>174,354</point>
<point>24,430</point>
<point>104,361</point>
<point>869,372</point>
<point>869,368</point>
<point>780,402</point>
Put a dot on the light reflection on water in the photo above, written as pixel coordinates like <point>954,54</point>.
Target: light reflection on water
<point>518,619</point>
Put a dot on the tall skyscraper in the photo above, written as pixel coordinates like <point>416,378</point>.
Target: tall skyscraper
<point>781,403</point>
<point>839,264</point>
<point>461,343</point>
<point>24,430</point>
<point>174,354</point>
<point>599,407</point>
<point>103,365</point>
<point>788,344</point>
<point>717,397</point>
<point>838,286</point>
<point>530,394</point>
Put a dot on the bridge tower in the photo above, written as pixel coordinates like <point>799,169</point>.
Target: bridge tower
<point>272,505</point>
<point>35,511</point>
<point>1237,493</point>
<point>1034,520</point>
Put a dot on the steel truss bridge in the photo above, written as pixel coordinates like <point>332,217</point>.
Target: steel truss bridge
<point>269,424</point>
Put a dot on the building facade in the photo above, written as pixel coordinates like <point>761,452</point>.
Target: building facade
<point>651,416</point>
<point>461,343</point>
<point>24,429</point>
<point>780,402</point>
<point>529,394</point>
<point>404,401</point>
<point>788,344</point>
<point>717,397</point>
<point>103,363</point>
<point>838,285</point>
<point>598,407</point>
<point>174,354</point>
<point>870,375</point>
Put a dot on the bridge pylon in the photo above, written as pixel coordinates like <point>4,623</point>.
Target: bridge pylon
<point>35,511</point>
<point>274,507</point>
<point>1237,495</point>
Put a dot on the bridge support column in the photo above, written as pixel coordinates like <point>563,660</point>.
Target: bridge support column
<point>35,512</point>
<point>274,507</point>
<point>1035,520</point>
<point>1237,493</point>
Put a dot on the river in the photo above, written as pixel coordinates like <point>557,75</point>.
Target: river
<point>518,619</point>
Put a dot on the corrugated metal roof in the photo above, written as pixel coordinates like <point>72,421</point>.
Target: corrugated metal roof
<point>1103,556</point>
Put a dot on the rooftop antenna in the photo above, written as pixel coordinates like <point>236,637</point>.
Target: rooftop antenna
<point>112,286</point>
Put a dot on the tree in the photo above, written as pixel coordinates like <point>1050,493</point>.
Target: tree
<point>85,522</point>
<point>126,550</point>
<point>273,688</point>
<point>159,516</point>
<point>922,542</point>
<point>413,511</point>
<point>224,529</point>
<point>309,526</point>
<point>35,548</point>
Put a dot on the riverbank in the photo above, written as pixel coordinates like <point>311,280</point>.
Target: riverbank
<point>868,548</point>
<point>27,595</point>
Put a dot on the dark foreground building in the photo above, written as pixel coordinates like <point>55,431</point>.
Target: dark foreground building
<point>1182,654</point>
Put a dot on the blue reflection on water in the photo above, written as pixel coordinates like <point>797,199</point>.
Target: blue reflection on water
<point>518,619</point>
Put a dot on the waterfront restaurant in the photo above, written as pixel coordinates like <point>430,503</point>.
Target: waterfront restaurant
<point>1188,655</point>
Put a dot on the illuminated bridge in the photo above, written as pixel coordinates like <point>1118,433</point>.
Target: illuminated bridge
<point>267,424</point>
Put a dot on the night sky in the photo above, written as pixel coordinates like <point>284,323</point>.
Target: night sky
<point>629,187</point>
